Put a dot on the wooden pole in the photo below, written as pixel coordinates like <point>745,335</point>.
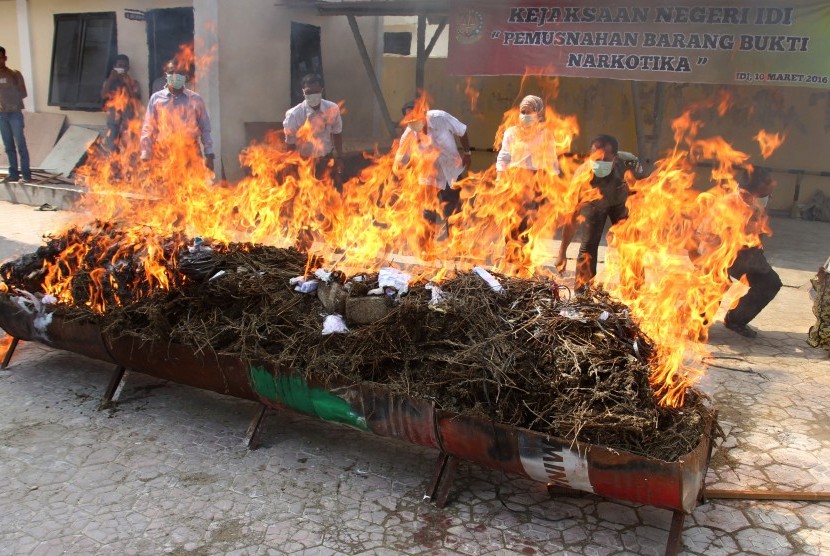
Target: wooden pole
<point>421,58</point>
<point>793,496</point>
<point>436,36</point>
<point>373,79</point>
<point>638,118</point>
<point>659,106</point>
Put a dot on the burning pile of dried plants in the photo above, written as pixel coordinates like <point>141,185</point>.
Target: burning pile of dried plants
<point>523,353</point>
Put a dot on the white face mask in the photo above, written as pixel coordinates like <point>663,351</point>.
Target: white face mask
<point>416,126</point>
<point>120,70</point>
<point>763,201</point>
<point>176,80</point>
<point>313,99</point>
<point>528,119</point>
<point>601,168</point>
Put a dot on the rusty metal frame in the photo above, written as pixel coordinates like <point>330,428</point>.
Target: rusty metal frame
<point>116,379</point>
<point>676,486</point>
<point>443,475</point>
<point>254,432</point>
<point>8,357</point>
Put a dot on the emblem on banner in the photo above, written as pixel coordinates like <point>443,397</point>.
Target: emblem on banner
<point>468,26</point>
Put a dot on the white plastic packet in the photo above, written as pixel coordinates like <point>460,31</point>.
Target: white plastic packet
<point>302,285</point>
<point>323,275</point>
<point>489,278</point>
<point>438,295</point>
<point>389,277</point>
<point>571,313</point>
<point>334,324</point>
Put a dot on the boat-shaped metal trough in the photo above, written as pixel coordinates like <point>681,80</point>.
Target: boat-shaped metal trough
<point>370,407</point>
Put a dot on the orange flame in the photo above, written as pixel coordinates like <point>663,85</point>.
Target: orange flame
<point>673,252</point>
<point>504,220</point>
<point>769,142</point>
<point>5,344</point>
<point>472,94</point>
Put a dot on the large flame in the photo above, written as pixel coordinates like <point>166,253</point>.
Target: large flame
<point>672,254</point>
<point>154,210</point>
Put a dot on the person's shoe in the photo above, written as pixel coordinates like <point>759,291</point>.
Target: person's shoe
<point>741,329</point>
<point>10,179</point>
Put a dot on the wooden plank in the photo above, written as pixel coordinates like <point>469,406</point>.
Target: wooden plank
<point>70,149</point>
<point>42,131</point>
<point>794,496</point>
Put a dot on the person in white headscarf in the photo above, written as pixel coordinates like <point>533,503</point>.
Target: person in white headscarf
<point>528,153</point>
<point>529,145</point>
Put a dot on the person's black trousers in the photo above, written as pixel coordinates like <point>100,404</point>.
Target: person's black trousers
<point>764,284</point>
<point>592,228</point>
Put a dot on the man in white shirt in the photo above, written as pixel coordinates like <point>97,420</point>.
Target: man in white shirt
<point>436,129</point>
<point>314,129</point>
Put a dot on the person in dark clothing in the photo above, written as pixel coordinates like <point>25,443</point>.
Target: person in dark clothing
<point>755,187</point>
<point>606,168</point>
<point>122,102</point>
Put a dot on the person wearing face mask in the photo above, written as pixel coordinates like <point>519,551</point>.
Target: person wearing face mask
<point>604,170</point>
<point>12,124</point>
<point>168,68</point>
<point>436,129</point>
<point>177,110</point>
<point>322,140</point>
<point>528,146</point>
<point>527,150</point>
<point>122,101</point>
<point>754,188</point>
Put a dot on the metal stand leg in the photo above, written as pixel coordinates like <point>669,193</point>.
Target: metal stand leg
<point>112,387</point>
<point>554,491</point>
<point>9,353</point>
<point>675,533</point>
<point>254,432</point>
<point>442,477</point>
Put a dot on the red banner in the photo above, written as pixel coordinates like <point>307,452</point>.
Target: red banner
<point>766,41</point>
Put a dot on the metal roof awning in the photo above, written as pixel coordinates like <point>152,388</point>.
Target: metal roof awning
<point>385,8</point>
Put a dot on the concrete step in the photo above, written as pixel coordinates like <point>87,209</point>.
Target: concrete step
<point>59,195</point>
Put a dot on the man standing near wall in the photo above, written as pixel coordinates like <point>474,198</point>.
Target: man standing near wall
<point>177,110</point>
<point>12,93</point>
<point>314,128</point>
<point>435,131</point>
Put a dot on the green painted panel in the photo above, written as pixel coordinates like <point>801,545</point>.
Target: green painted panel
<point>293,391</point>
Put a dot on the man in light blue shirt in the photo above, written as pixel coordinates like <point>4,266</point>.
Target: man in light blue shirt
<point>173,111</point>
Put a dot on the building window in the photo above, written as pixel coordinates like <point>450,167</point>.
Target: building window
<point>82,50</point>
<point>397,43</point>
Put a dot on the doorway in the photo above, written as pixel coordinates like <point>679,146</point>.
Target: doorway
<point>306,56</point>
<point>167,29</point>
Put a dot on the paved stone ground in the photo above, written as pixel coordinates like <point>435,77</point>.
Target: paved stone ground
<point>166,472</point>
